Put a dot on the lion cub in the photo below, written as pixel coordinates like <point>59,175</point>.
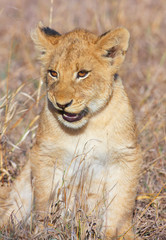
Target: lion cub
<point>86,150</point>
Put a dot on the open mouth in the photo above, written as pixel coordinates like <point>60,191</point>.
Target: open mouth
<point>73,117</point>
<point>69,117</point>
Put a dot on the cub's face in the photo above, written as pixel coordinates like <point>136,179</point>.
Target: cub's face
<point>79,69</point>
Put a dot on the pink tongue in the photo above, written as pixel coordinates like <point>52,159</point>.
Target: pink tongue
<point>70,114</point>
<point>71,117</point>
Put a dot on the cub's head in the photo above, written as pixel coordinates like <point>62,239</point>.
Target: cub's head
<point>78,68</point>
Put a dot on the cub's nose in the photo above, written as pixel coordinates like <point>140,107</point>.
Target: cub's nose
<point>63,106</point>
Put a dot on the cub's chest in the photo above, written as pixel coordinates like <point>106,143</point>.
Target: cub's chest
<point>86,163</point>
<point>85,153</point>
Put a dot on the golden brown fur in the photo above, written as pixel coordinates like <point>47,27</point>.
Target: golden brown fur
<point>86,145</point>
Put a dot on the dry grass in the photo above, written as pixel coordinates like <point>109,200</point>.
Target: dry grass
<point>144,77</point>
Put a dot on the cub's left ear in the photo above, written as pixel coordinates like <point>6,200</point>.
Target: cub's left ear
<point>114,45</point>
<point>44,38</point>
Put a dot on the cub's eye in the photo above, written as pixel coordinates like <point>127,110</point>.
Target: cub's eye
<point>82,74</point>
<point>53,73</point>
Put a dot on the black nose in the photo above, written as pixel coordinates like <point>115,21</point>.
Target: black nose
<point>63,106</point>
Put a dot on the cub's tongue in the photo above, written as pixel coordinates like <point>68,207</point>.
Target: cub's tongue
<point>71,117</point>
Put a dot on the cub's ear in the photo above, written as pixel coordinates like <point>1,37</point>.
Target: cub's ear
<point>44,38</point>
<point>114,45</point>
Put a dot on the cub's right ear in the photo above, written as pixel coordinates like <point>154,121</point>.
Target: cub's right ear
<point>44,38</point>
<point>114,45</point>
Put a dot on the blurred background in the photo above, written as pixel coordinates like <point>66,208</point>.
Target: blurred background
<point>143,74</point>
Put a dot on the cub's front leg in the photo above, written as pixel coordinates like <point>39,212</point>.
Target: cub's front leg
<point>119,210</point>
<point>47,181</point>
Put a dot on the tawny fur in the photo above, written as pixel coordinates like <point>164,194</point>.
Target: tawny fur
<point>96,156</point>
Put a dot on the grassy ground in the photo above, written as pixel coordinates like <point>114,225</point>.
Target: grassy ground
<point>144,77</point>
